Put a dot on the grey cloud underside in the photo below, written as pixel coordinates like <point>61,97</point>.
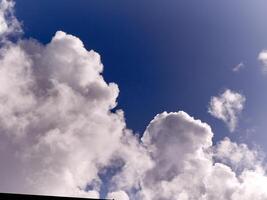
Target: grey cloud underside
<point>58,134</point>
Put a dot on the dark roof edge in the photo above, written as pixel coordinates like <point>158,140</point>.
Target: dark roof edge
<point>9,196</point>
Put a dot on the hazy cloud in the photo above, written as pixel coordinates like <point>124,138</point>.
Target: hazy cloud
<point>227,107</point>
<point>262,57</point>
<point>238,67</point>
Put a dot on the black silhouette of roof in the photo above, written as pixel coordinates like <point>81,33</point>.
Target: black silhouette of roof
<point>9,196</point>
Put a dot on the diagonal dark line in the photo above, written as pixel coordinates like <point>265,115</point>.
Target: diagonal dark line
<point>9,196</point>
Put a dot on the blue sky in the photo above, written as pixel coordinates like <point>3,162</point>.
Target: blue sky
<point>171,55</point>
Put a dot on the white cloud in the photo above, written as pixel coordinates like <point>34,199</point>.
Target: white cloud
<point>238,67</point>
<point>8,22</point>
<point>262,57</point>
<point>57,128</point>
<point>227,107</point>
<point>58,134</point>
<point>119,195</point>
<point>55,117</point>
<point>188,166</point>
<point>236,156</point>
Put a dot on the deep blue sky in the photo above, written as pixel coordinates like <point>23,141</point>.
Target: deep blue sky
<point>168,55</point>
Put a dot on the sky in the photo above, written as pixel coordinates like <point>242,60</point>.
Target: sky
<point>167,55</point>
<point>125,83</point>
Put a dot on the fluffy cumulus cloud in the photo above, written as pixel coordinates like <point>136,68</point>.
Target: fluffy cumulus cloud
<point>187,166</point>
<point>227,107</point>
<point>60,135</point>
<point>262,57</point>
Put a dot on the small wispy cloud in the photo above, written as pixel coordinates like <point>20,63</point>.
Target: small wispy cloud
<point>238,67</point>
<point>262,57</point>
<point>227,106</point>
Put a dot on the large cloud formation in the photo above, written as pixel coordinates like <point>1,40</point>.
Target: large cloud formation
<point>59,134</point>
